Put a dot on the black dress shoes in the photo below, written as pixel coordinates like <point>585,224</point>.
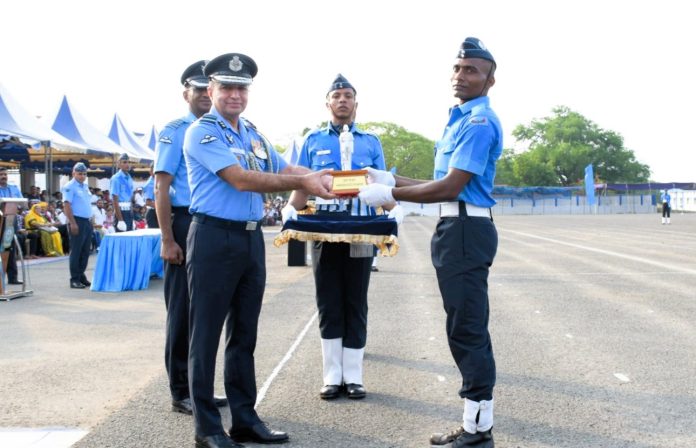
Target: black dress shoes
<point>183,406</point>
<point>216,441</point>
<point>330,391</point>
<point>459,438</point>
<point>77,285</point>
<point>86,282</point>
<point>355,391</point>
<point>259,433</point>
<point>15,282</point>
<point>220,402</point>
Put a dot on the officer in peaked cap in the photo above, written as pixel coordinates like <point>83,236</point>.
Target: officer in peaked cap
<point>231,69</point>
<point>341,270</point>
<point>121,186</point>
<point>77,206</point>
<point>193,76</point>
<point>465,159</point>
<point>229,163</point>
<point>172,201</point>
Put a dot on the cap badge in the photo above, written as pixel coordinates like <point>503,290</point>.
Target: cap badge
<point>481,46</point>
<point>235,64</point>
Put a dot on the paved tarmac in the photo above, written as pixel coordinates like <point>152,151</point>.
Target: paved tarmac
<point>592,319</point>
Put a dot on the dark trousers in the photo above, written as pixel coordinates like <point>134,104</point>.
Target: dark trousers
<point>341,290</point>
<point>12,263</point>
<point>80,245</point>
<point>666,210</point>
<point>462,251</point>
<point>151,219</point>
<point>227,276</point>
<point>127,218</point>
<point>176,300</point>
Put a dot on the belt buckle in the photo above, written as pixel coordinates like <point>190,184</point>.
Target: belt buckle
<point>251,225</point>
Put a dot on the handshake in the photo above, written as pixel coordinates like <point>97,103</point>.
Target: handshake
<point>376,193</point>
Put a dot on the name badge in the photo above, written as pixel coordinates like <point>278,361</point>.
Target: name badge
<point>323,152</point>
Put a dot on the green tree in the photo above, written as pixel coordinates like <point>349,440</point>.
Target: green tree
<point>560,146</point>
<point>410,153</point>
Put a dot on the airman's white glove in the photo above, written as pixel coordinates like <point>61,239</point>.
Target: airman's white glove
<point>376,195</point>
<point>121,226</point>
<point>381,177</point>
<point>397,214</point>
<point>288,213</point>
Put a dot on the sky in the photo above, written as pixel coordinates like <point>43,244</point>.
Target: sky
<point>626,65</point>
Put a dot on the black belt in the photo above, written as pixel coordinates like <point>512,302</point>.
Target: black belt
<point>184,210</point>
<point>80,217</point>
<point>200,218</point>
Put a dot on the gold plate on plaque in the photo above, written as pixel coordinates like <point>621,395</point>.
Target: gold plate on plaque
<point>348,183</point>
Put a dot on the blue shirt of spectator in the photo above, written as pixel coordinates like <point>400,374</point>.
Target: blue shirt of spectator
<point>79,197</point>
<point>10,191</point>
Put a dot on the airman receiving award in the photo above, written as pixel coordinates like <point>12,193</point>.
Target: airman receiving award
<point>347,182</point>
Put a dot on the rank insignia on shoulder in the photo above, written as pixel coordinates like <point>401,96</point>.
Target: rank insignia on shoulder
<point>208,138</point>
<point>208,118</point>
<point>259,150</point>
<point>248,123</point>
<point>478,120</point>
<point>174,124</point>
<point>165,139</point>
<point>222,124</point>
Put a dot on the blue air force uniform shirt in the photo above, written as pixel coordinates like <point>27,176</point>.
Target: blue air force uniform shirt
<point>666,198</point>
<point>122,185</point>
<point>169,158</point>
<point>473,142</point>
<point>212,144</point>
<point>149,188</point>
<point>10,191</point>
<point>322,150</point>
<point>80,198</point>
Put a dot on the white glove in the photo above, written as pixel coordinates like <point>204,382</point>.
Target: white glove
<point>397,214</point>
<point>376,195</point>
<point>121,226</point>
<point>381,177</point>
<point>288,213</point>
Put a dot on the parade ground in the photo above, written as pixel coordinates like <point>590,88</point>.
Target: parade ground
<point>592,320</point>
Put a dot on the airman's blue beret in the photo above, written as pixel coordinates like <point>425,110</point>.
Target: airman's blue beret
<point>231,68</point>
<point>474,48</point>
<point>124,157</point>
<point>80,168</point>
<point>340,83</point>
<point>193,75</point>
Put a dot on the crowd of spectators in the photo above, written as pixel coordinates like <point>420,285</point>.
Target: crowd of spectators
<point>42,228</point>
<point>43,231</point>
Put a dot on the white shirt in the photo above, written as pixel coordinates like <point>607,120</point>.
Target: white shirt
<point>98,215</point>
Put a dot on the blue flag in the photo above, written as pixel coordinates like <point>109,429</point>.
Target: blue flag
<point>589,184</point>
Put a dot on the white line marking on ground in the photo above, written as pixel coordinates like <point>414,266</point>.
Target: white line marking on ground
<point>623,378</point>
<point>569,336</point>
<point>608,252</point>
<point>440,378</point>
<point>537,312</point>
<point>40,437</point>
<point>431,338</point>
<point>286,358</point>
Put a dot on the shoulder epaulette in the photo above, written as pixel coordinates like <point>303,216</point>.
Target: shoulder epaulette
<point>248,123</point>
<point>174,124</point>
<point>208,118</point>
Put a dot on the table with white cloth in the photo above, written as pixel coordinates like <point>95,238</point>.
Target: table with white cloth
<point>127,260</point>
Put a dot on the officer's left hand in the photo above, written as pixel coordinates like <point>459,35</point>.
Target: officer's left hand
<point>376,195</point>
<point>397,214</point>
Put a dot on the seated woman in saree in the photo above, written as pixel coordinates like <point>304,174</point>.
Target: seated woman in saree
<point>35,221</point>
